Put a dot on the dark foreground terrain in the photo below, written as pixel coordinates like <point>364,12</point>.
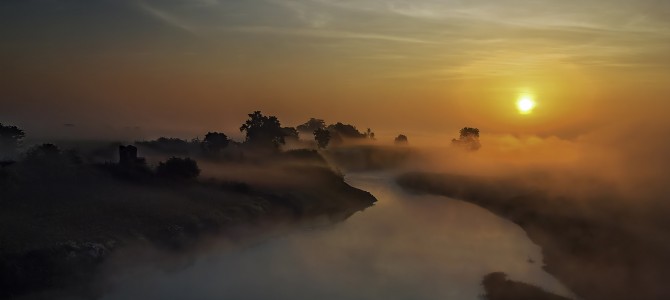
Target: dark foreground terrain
<point>498,287</point>
<point>60,219</point>
<point>596,247</point>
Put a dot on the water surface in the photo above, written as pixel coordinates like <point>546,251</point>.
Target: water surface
<point>405,247</point>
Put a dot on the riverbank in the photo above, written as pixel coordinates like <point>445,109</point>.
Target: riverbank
<point>59,224</point>
<point>498,287</point>
<point>597,256</point>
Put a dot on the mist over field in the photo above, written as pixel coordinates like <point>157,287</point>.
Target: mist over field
<point>334,149</point>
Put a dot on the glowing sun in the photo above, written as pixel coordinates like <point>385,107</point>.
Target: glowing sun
<point>525,105</point>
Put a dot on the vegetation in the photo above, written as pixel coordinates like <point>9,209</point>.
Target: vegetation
<point>290,134</point>
<point>215,142</point>
<point>401,140</point>
<point>10,140</point>
<point>310,126</point>
<point>173,146</point>
<point>469,139</point>
<point>346,131</point>
<point>322,137</point>
<point>178,168</point>
<point>263,131</point>
<point>61,214</point>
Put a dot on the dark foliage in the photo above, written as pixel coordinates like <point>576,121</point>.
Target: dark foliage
<point>215,142</point>
<point>401,140</point>
<point>263,131</point>
<point>178,168</point>
<point>346,131</point>
<point>290,133</point>
<point>469,139</point>
<point>322,137</point>
<point>369,134</point>
<point>44,151</point>
<point>10,139</point>
<point>169,145</point>
<point>311,125</point>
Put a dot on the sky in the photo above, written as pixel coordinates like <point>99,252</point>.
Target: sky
<point>184,67</point>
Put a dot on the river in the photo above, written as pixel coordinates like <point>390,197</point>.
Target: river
<point>405,247</point>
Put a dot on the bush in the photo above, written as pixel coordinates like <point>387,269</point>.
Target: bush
<point>178,168</point>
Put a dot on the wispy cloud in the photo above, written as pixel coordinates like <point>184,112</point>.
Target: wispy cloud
<point>170,19</point>
<point>327,34</point>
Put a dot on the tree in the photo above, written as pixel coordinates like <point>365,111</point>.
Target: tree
<point>290,133</point>
<point>469,133</point>
<point>322,137</point>
<point>263,131</point>
<point>174,146</point>
<point>370,134</point>
<point>401,139</point>
<point>311,125</point>
<point>10,139</point>
<point>346,131</point>
<point>178,168</point>
<point>469,139</point>
<point>215,142</point>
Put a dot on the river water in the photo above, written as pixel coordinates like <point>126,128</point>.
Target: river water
<point>405,247</point>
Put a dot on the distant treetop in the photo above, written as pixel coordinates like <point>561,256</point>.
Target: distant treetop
<point>401,139</point>
<point>215,142</point>
<point>263,131</point>
<point>311,125</point>
<point>469,132</point>
<point>469,139</point>
<point>346,130</point>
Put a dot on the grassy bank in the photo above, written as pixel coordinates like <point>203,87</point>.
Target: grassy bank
<point>60,219</point>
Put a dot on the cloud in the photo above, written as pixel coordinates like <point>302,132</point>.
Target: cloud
<point>169,18</point>
<point>313,33</point>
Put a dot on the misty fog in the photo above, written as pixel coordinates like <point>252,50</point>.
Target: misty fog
<point>406,246</point>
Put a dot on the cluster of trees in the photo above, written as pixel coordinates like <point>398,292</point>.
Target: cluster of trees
<point>261,132</point>
<point>266,132</point>
<point>334,133</point>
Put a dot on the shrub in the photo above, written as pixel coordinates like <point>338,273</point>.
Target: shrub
<point>178,168</point>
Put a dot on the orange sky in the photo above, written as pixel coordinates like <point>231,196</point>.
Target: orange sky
<point>183,67</point>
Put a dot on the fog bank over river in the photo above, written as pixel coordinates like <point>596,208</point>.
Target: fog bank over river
<point>405,247</point>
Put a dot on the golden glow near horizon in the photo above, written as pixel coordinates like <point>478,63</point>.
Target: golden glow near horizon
<point>525,104</point>
<point>199,62</point>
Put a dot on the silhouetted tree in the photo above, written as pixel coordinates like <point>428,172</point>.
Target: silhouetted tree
<point>322,137</point>
<point>401,140</point>
<point>346,131</point>
<point>469,138</point>
<point>215,142</point>
<point>263,131</point>
<point>469,132</point>
<point>170,145</point>
<point>178,168</point>
<point>290,133</point>
<point>10,139</point>
<point>311,125</point>
<point>370,134</point>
